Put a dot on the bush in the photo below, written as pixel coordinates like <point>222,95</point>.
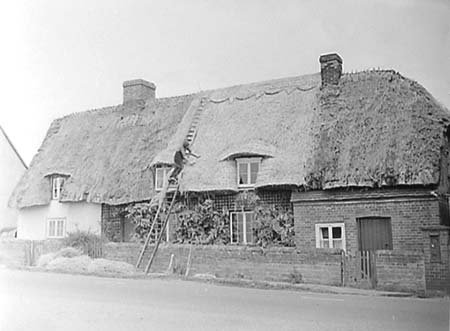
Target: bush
<point>273,226</point>
<point>142,215</point>
<point>88,242</point>
<point>203,225</point>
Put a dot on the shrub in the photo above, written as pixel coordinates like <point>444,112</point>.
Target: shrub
<point>88,242</point>
<point>273,226</point>
<point>203,225</point>
<point>142,215</point>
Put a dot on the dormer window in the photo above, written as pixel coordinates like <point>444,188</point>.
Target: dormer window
<point>57,183</point>
<point>247,171</point>
<point>161,176</point>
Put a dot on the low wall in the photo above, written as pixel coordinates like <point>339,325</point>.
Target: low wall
<point>253,263</point>
<point>400,271</point>
<point>17,252</point>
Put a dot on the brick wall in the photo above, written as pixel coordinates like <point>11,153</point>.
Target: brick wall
<point>437,268</point>
<point>400,271</point>
<point>254,263</point>
<point>408,216</point>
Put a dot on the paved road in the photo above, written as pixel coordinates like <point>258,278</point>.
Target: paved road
<point>44,301</point>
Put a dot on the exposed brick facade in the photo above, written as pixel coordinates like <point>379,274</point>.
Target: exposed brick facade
<point>411,212</point>
<point>408,217</point>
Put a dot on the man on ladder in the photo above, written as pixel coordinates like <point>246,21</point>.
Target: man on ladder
<point>180,159</point>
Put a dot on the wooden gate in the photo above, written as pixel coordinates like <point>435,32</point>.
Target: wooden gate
<point>374,233</point>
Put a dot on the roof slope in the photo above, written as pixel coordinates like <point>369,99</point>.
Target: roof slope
<point>106,152</point>
<point>377,129</point>
<point>374,129</point>
<point>271,119</point>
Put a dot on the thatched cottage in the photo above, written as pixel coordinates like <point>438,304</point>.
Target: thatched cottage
<point>361,159</point>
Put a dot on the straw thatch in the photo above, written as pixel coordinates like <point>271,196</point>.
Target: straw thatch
<point>269,119</point>
<point>375,128</point>
<point>104,153</point>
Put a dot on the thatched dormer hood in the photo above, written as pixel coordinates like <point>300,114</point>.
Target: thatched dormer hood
<point>372,129</point>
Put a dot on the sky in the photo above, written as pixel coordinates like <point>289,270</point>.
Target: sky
<point>60,57</point>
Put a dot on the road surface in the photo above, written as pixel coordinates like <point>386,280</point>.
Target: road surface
<point>48,301</point>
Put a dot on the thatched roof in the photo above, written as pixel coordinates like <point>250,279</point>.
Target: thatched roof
<point>375,128</point>
<point>105,153</point>
<point>269,119</point>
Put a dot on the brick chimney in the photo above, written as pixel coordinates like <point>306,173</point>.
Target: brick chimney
<point>330,68</point>
<point>138,89</point>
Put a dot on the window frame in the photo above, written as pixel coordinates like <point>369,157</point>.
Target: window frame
<point>165,173</point>
<point>244,227</point>
<point>330,227</point>
<point>55,234</point>
<point>248,162</point>
<point>57,184</point>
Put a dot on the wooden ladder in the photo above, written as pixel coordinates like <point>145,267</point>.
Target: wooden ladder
<point>195,121</point>
<point>164,224</point>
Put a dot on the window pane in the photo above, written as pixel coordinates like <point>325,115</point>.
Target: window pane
<point>324,232</point>
<point>233,228</point>
<point>337,243</point>
<point>243,173</point>
<point>159,178</point>
<point>254,168</point>
<point>324,243</point>
<point>337,232</point>
<point>240,221</point>
<point>60,227</point>
<point>249,227</point>
<point>51,228</point>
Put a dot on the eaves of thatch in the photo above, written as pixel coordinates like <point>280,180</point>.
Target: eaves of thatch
<point>105,154</point>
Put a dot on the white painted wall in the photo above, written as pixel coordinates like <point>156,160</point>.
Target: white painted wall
<point>32,223</point>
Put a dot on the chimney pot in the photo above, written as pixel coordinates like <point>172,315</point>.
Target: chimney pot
<point>330,68</point>
<point>138,89</point>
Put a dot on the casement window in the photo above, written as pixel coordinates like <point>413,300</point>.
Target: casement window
<point>57,183</point>
<point>241,227</point>
<point>56,227</point>
<point>330,235</point>
<point>161,176</point>
<point>247,171</point>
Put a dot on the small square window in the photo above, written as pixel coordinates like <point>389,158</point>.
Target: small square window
<point>56,227</point>
<point>330,235</point>
<point>247,171</point>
